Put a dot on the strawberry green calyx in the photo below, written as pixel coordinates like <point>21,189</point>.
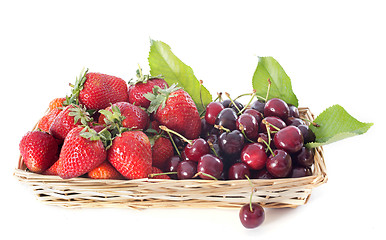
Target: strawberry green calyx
<point>80,114</point>
<point>159,97</point>
<point>141,78</point>
<point>114,120</point>
<point>76,88</point>
<point>92,135</point>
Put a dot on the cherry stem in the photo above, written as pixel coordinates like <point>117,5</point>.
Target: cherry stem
<point>311,122</point>
<point>242,129</point>
<point>205,174</point>
<point>260,140</point>
<point>270,124</point>
<point>227,94</point>
<point>174,144</point>
<point>220,127</point>
<point>140,71</point>
<point>253,190</point>
<point>211,147</point>
<point>218,97</point>
<point>160,174</point>
<point>245,107</point>
<point>269,88</point>
<point>164,128</point>
<point>202,103</point>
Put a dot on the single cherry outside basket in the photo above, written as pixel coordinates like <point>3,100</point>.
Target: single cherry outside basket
<point>160,193</point>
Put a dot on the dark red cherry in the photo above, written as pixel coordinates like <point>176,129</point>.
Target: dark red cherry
<point>227,118</point>
<point>238,171</point>
<point>305,157</point>
<point>254,218</point>
<point>248,123</point>
<point>289,139</point>
<point>276,107</point>
<point>294,121</point>
<point>211,165</point>
<point>171,166</point>
<point>196,149</point>
<point>254,156</point>
<point>293,111</point>
<point>308,134</point>
<point>277,122</point>
<point>206,128</point>
<point>300,172</point>
<point>212,110</point>
<point>262,174</point>
<point>258,105</point>
<point>279,163</point>
<point>258,115</point>
<point>186,169</point>
<point>231,143</point>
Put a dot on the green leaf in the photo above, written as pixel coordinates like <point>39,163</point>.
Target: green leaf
<point>269,68</point>
<point>163,61</point>
<point>336,124</point>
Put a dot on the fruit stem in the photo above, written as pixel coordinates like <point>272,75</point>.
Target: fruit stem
<point>211,147</point>
<point>270,124</point>
<point>202,103</point>
<point>260,140</point>
<point>227,94</point>
<point>220,127</point>
<point>174,144</point>
<point>164,128</point>
<point>205,174</point>
<point>269,88</point>
<point>253,190</point>
<point>245,107</point>
<point>242,129</point>
<point>311,122</point>
<point>160,174</point>
<point>218,97</point>
<point>140,76</point>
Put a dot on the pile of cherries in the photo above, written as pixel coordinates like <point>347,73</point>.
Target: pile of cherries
<point>264,140</point>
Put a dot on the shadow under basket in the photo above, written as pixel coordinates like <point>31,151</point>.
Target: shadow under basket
<point>160,193</point>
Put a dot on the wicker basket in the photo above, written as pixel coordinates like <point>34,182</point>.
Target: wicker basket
<point>159,193</point>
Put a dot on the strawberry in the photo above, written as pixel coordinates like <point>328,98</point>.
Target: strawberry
<point>45,122</point>
<point>71,117</point>
<point>97,91</point>
<point>56,103</point>
<point>162,150</point>
<point>53,170</point>
<point>143,85</point>
<point>82,151</point>
<point>39,150</point>
<point>156,170</point>
<point>175,109</point>
<point>104,171</point>
<point>130,154</point>
<point>133,116</point>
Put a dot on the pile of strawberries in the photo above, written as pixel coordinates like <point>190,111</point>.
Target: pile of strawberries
<point>104,129</point>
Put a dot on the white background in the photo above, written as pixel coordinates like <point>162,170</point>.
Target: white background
<point>334,52</point>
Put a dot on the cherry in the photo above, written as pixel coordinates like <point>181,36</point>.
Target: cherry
<point>227,118</point>
<point>209,165</point>
<point>262,174</point>
<point>258,105</point>
<point>228,104</point>
<point>276,107</point>
<point>308,134</point>
<point>254,156</point>
<point>264,136</point>
<point>258,115</point>
<point>186,169</point>
<point>206,128</point>
<point>212,110</point>
<point>279,163</point>
<point>251,215</point>
<point>277,122</point>
<point>293,111</point>
<point>293,121</point>
<point>171,166</point>
<point>247,123</point>
<point>231,143</point>
<point>305,157</point>
<point>196,149</point>
<point>300,172</point>
<point>289,138</point>
<point>238,171</point>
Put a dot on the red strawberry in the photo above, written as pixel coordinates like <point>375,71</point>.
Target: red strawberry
<point>56,103</point>
<point>156,170</point>
<point>162,150</point>
<point>81,152</point>
<point>46,121</point>
<point>130,154</point>
<point>104,171</point>
<point>175,109</point>
<point>71,117</point>
<point>134,116</point>
<point>53,170</point>
<point>39,150</point>
<point>144,85</point>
